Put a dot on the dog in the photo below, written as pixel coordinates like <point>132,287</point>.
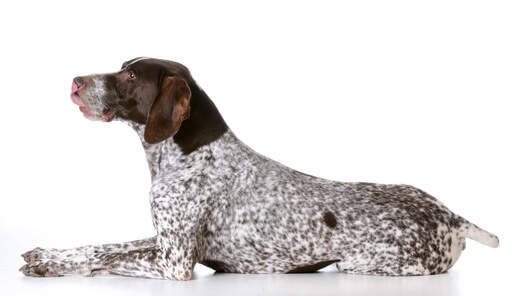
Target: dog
<point>216,202</point>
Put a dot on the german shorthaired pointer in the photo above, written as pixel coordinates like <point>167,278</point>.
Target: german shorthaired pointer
<point>216,202</point>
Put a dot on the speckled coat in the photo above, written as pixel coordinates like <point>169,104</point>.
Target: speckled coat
<point>227,207</point>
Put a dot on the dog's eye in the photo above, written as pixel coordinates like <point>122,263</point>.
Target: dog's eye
<point>131,75</point>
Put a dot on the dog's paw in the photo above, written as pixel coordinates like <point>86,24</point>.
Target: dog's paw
<point>34,256</point>
<point>39,255</point>
<point>42,269</point>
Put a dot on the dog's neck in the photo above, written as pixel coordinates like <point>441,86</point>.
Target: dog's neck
<point>167,156</point>
<point>155,153</point>
<point>204,126</point>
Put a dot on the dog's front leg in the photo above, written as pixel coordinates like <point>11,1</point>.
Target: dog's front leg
<point>81,260</point>
<point>178,212</point>
<point>176,227</point>
<point>166,260</point>
<point>40,254</point>
<point>163,260</point>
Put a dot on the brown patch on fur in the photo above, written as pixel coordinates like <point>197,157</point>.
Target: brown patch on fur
<point>329,219</point>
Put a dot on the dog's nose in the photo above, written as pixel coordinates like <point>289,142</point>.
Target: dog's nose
<point>77,83</point>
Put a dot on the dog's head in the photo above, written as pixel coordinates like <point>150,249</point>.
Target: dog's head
<point>147,91</point>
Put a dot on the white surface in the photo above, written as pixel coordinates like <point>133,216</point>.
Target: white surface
<point>379,91</point>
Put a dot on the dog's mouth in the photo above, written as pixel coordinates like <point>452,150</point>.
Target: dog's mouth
<point>86,110</point>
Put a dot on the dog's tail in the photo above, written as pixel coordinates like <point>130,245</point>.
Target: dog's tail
<point>476,233</point>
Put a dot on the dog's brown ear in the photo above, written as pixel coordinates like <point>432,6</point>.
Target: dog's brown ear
<point>170,108</point>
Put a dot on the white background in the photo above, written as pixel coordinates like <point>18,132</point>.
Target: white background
<point>380,91</point>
